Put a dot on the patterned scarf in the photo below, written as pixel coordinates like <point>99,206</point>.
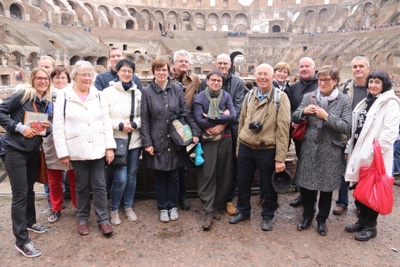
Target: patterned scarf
<point>215,98</point>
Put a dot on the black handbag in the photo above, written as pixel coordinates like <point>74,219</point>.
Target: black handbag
<point>180,131</point>
<point>121,153</point>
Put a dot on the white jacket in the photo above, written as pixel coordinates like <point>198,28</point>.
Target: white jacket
<point>382,124</point>
<point>119,104</point>
<point>84,131</point>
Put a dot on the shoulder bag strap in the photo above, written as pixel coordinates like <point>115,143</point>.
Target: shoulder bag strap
<point>132,114</point>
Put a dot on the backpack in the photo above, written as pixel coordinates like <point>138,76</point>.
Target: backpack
<point>277,97</point>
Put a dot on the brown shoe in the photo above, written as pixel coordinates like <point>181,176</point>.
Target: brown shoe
<point>231,209</point>
<point>339,210</point>
<point>106,228</point>
<point>83,228</point>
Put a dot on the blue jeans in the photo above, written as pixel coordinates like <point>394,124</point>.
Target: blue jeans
<point>343,195</point>
<point>396,156</point>
<point>249,160</point>
<point>124,181</point>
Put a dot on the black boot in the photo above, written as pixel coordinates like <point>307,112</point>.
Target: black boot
<point>367,233</point>
<point>358,225</point>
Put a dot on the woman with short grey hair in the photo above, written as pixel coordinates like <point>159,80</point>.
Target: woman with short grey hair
<point>83,137</point>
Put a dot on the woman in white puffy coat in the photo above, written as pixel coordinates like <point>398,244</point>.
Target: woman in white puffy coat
<point>374,118</point>
<point>83,137</point>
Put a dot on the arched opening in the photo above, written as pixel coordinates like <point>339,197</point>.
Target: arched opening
<point>15,12</point>
<point>276,28</point>
<point>102,61</point>
<point>235,66</point>
<point>90,59</point>
<point>1,10</point>
<point>73,60</point>
<point>129,24</point>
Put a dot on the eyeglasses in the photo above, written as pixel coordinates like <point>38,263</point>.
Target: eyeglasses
<point>85,75</point>
<point>59,78</point>
<point>42,79</point>
<point>223,63</point>
<point>183,61</point>
<point>215,81</point>
<point>126,71</point>
<point>324,80</point>
<point>263,74</point>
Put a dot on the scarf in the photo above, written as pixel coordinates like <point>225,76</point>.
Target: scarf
<point>323,100</point>
<point>215,98</point>
<point>369,100</point>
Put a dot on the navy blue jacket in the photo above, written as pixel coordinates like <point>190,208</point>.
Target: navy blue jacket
<point>103,80</point>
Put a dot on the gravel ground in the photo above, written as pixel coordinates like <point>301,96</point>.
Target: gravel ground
<point>149,242</point>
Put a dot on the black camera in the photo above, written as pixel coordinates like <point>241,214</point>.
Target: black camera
<point>182,85</point>
<point>255,126</point>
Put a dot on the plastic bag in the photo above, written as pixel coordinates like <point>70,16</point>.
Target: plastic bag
<point>375,188</point>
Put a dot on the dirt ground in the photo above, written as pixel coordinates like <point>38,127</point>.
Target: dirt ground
<point>149,242</point>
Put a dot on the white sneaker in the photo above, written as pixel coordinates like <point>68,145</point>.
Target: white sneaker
<point>130,214</point>
<point>164,216</point>
<point>173,214</point>
<point>115,220</point>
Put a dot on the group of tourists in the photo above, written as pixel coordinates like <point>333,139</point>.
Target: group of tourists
<point>90,119</point>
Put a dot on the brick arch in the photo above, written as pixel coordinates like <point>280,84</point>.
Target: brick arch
<point>199,21</point>
<point>2,9</point>
<point>159,20</point>
<point>173,21</point>
<point>17,11</point>
<point>225,21</point>
<point>212,22</point>
<point>146,18</point>
<point>377,60</point>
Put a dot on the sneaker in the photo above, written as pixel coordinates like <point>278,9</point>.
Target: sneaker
<point>28,250</point>
<point>173,214</point>
<point>164,216</point>
<point>115,220</point>
<point>37,228</point>
<point>130,215</point>
<point>54,216</point>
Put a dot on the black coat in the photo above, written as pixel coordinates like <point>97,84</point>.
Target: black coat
<point>299,89</point>
<point>156,109</point>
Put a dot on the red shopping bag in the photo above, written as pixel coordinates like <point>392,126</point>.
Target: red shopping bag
<point>375,187</point>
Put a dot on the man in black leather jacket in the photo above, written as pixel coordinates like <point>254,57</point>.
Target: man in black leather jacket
<point>308,82</point>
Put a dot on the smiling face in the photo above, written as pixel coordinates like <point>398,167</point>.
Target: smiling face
<point>264,76</point>
<point>326,84</point>
<point>281,75</point>
<point>41,82</point>
<point>360,69</point>
<point>161,75</point>
<point>46,64</point>
<point>306,69</point>
<point>214,82</point>
<point>181,65</point>
<point>125,74</point>
<point>223,65</point>
<point>375,86</point>
<point>84,79</point>
<point>60,81</point>
<point>115,55</point>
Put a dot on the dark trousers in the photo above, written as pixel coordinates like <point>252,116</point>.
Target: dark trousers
<point>367,215</point>
<point>22,169</point>
<point>90,175</point>
<point>248,161</point>
<point>343,195</point>
<point>182,171</point>
<point>214,176</point>
<point>166,185</point>
<point>309,198</point>
<point>235,173</point>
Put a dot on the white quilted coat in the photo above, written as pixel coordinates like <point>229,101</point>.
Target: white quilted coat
<point>84,132</point>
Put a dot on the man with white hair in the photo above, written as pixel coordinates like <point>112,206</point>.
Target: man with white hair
<point>262,144</point>
<point>235,87</point>
<point>190,82</point>
<point>308,82</point>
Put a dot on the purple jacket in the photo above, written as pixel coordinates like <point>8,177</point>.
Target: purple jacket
<point>201,105</point>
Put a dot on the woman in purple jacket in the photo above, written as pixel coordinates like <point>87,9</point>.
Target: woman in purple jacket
<point>213,111</point>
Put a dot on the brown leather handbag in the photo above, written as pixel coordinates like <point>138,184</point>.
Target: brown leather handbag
<point>300,131</point>
<point>41,175</point>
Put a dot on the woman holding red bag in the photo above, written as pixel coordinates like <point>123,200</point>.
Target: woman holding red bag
<point>374,118</point>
